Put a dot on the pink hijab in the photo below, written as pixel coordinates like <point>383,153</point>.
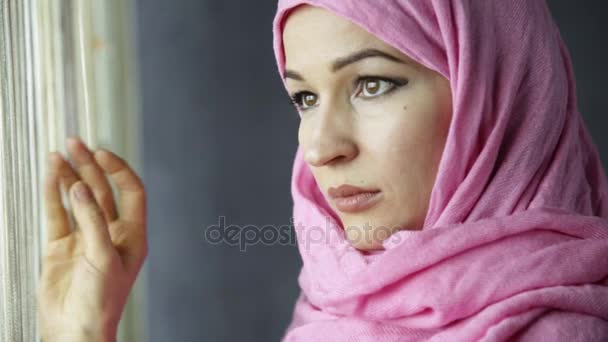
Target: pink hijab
<point>515,241</point>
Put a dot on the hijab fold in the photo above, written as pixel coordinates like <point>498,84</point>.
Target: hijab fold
<point>514,245</point>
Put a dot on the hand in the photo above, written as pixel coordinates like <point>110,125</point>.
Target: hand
<point>87,273</point>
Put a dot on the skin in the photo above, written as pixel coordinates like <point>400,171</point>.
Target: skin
<point>366,134</point>
<point>87,273</point>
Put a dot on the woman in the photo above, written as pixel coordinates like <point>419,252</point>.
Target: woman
<point>445,186</point>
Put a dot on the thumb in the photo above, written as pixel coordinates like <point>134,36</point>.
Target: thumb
<point>90,219</point>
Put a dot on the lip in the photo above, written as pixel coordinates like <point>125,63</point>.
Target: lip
<point>349,198</point>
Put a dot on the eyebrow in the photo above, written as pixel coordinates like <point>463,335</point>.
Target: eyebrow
<point>350,59</point>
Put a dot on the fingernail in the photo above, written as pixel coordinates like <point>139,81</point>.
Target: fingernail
<point>82,192</point>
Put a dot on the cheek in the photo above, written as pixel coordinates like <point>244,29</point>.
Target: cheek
<point>302,133</point>
<point>406,152</point>
<point>404,143</point>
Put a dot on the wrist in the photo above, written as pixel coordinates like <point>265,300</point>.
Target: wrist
<point>105,333</point>
<point>89,334</point>
<point>79,337</point>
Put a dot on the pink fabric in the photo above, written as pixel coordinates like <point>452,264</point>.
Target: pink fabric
<point>515,242</point>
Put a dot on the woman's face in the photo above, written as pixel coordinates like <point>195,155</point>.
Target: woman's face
<point>385,131</point>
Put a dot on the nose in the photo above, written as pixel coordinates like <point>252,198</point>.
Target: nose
<point>330,139</point>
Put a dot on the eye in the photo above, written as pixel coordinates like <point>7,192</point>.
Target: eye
<point>303,100</point>
<point>372,86</point>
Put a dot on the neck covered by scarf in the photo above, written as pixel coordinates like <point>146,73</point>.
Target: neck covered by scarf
<point>515,242</point>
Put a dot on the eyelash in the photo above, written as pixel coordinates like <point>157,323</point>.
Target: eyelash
<point>296,99</point>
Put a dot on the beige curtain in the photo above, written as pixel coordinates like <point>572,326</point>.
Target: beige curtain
<point>67,67</point>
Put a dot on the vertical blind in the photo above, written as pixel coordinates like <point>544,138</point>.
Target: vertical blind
<point>66,68</point>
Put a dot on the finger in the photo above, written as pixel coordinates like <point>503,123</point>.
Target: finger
<point>134,251</point>
<point>57,218</point>
<point>131,192</point>
<point>93,175</point>
<point>92,223</point>
<point>65,172</point>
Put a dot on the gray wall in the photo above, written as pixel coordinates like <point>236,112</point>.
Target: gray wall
<point>219,138</point>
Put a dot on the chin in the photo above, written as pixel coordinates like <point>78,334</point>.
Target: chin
<point>368,234</point>
<point>364,240</point>
<point>372,246</point>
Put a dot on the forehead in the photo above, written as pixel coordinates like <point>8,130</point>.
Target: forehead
<point>312,34</point>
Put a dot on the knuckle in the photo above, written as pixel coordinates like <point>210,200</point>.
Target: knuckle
<point>113,154</point>
<point>93,214</point>
<point>137,183</point>
<point>140,194</point>
<point>134,181</point>
<point>118,232</point>
<point>106,197</point>
<point>71,187</point>
<point>120,162</point>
